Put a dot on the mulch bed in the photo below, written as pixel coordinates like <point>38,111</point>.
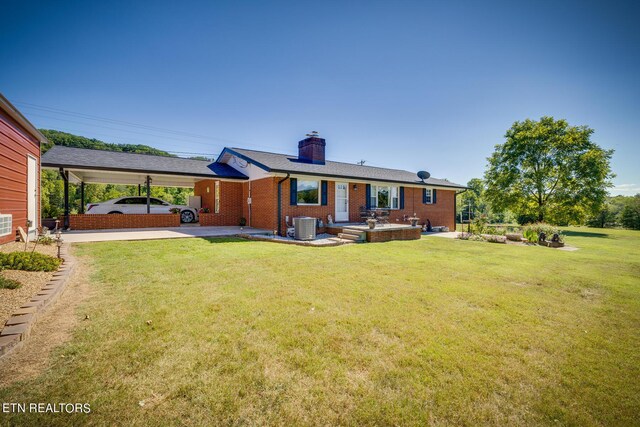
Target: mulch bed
<point>32,281</point>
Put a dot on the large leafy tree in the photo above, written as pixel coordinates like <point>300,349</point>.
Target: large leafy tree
<point>547,170</point>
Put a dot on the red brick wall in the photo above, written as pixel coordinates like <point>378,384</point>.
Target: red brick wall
<point>264,196</point>
<point>15,144</point>
<point>231,202</point>
<point>412,233</point>
<point>440,213</point>
<point>105,221</point>
<point>264,193</point>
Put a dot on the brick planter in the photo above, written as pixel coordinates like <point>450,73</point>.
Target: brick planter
<point>106,221</point>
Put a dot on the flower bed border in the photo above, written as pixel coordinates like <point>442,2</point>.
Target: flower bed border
<point>17,328</point>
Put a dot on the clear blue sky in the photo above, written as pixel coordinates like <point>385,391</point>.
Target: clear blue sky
<point>411,85</point>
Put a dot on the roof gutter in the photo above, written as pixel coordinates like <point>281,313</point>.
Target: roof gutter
<point>13,112</point>
<point>280,203</point>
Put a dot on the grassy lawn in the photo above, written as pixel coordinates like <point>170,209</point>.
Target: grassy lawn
<point>435,331</point>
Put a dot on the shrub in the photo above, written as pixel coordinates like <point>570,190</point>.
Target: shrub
<point>9,283</point>
<point>479,224</point>
<point>29,261</point>
<point>541,227</point>
<point>46,240</point>
<point>243,222</point>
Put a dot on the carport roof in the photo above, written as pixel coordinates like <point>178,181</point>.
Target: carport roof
<point>114,167</point>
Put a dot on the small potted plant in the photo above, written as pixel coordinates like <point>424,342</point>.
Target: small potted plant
<point>372,223</point>
<point>204,210</point>
<point>414,220</point>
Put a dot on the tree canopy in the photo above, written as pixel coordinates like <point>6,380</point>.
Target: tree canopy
<point>549,171</point>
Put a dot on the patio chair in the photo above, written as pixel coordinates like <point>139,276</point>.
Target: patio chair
<point>365,214</point>
<point>383,216</point>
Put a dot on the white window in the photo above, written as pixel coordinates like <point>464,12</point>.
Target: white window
<point>384,197</point>
<point>308,192</point>
<point>6,224</point>
<point>428,198</point>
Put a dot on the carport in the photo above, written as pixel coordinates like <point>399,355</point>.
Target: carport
<point>89,166</point>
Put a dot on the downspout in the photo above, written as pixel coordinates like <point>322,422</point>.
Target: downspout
<point>280,203</point>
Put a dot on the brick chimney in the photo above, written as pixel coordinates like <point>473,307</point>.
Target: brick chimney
<point>311,149</point>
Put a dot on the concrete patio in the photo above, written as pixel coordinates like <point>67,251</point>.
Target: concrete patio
<point>157,233</point>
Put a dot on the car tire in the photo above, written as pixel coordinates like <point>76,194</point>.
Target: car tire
<point>187,216</point>
<point>115,212</point>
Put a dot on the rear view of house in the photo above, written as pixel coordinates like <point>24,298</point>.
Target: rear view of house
<point>261,189</point>
<point>19,173</point>
<point>280,187</point>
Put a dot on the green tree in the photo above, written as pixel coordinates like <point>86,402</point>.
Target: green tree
<point>548,170</point>
<point>630,216</point>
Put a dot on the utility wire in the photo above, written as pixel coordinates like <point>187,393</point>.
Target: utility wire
<point>120,122</point>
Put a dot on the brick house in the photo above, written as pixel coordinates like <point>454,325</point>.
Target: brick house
<point>19,173</point>
<point>280,187</point>
<point>266,189</point>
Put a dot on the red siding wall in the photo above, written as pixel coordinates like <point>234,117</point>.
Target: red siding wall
<point>15,144</point>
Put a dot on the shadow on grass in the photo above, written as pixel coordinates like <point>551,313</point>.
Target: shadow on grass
<point>226,239</point>
<point>584,234</point>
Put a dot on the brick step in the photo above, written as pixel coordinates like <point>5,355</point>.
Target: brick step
<point>354,231</point>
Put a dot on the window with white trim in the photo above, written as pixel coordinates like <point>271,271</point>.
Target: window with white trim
<point>428,196</point>
<point>385,197</point>
<point>308,192</point>
<point>6,224</point>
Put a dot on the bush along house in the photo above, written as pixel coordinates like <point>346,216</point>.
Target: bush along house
<point>280,187</point>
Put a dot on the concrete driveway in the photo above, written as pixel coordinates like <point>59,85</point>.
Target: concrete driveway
<point>156,233</point>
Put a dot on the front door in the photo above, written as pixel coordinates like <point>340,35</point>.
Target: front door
<point>32,193</point>
<point>342,201</point>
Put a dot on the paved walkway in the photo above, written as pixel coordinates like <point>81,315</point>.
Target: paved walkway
<point>446,234</point>
<point>156,233</point>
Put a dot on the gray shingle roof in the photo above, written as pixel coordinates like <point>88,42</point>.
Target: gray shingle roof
<point>83,158</point>
<point>274,162</point>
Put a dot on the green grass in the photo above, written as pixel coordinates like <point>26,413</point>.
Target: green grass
<point>434,331</point>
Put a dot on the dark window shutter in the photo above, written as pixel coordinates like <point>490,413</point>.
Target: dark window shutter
<point>433,196</point>
<point>401,197</point>
<point>424,195</point>
<point>368,195</point>
<point>293,194</point>
<point>323,197</point>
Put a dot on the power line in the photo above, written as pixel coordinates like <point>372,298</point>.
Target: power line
<point>128,141</point>
<point>120,130</point>
<point>118,122</point>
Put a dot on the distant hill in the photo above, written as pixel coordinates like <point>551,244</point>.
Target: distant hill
<point>70,140</point>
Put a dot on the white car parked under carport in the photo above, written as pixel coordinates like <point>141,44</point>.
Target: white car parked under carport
<point>138,205</point>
